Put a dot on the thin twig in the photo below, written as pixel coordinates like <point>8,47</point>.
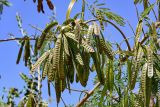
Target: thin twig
<point>131,27</point>
<point>36,28</point>
<point>13,39</point>
<point>153,11</point>
<point>83,91</point>
<point>63,102</point>
<point>87,95</point>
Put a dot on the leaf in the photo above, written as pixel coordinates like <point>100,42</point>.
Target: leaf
<point>20,52</point>
<point>112,16</point>
<point>70,8</point>
<point>146,11</point>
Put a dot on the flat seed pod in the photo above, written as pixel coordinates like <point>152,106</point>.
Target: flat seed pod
<point>72,36</point>
<point>106,49</point>
<point>89,34</point>
<point>79,59</point>
<point>143,81</point>
<point>20,52</point>
<point>44,34</point>
<point>27,51</point>
<point>35,47</point>
<point>62,84</point>
<point>87,47</point>
<point>97,66</point>
<point>45,70</point>
<point>51,72</point>
<point>57,88</point>
<point>39,61</point>
<point>111,75</point>
<point>56,54</point>
<point>50,5</point>
<point>77,31</point>
<point>150,62</point>
<point>40,6</point>
<point>66,46</point>
<point>96,29</point>
<point>30,102</point>
<point>138,32</point>
<point>70,68</point>
<point>61,66</point>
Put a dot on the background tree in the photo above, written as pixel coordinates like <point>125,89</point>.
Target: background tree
<point>70,51</point>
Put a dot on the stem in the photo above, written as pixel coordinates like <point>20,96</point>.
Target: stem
<point>153,11</point>
<point>88,95</point>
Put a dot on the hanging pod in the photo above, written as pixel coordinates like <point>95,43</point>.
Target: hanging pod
<point>150,61</point>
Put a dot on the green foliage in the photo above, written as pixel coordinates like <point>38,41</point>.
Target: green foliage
<point>71,51</point>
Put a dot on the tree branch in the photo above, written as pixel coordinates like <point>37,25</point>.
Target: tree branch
<point>13,39</point>
<point>88,95</point>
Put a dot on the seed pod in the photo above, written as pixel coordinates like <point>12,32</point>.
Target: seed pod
<point>56,54</point>
<point>50,5</point>
<point>96,29</point>
<point>39,61</point>
<point>79,59</point>
<point>20,52</point>
<point>106,49</point>
<point>89,34</point>
<point>87,46</point>
<point>66,46</point>
<point>143,81</point>
<point>150,62</point>
<point>27,51</point>
<point>51,72</point>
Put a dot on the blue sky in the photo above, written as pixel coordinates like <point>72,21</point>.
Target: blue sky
<point>28,12</point>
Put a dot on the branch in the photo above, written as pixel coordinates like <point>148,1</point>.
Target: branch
<point>81,91</point>
<point>123,35</point>
<point>87,95</point>
<point>13,39</point>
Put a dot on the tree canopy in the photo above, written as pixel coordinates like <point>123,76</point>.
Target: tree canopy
<point>71,51</point>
